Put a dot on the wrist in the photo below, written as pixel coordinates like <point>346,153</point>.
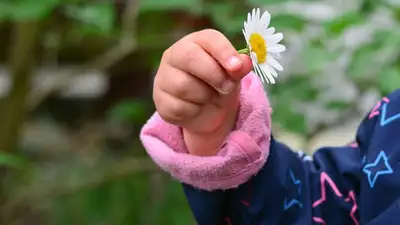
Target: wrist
<point>208,144</point>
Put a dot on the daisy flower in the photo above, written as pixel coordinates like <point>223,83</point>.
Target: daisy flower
<point>263,45</point>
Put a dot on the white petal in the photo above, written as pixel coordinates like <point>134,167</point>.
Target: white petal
<point>256,20</point>
<point>271,70</point>
<point>275,55</point>
<point>253,57</point>
<point>249,21</point>
<point>274,39</point>
<point>276,48</point>
<point>246,37</point>
<point>263,79</point>
<point>269,31</point>
<point>267,73</point>
<point>258,14</point>
<point>265,19</point>
<point>253,15</point>
<point>253,21</point>
<point>245,31</point>
<point>274,63</point>
<point>249,29</point>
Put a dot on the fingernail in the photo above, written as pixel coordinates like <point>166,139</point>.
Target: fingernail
<point>234,62</point>
<point>227,87</point>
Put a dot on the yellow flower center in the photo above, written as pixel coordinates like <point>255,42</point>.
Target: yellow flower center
<point>258,46</point>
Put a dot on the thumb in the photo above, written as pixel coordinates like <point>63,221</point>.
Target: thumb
<point>245,69</point>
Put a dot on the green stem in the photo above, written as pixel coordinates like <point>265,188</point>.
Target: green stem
<point>244,51</point>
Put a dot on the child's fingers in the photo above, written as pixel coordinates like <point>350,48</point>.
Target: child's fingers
<point>174,110</point>
<point>186,86</point>
<point>244,70</point>
<point>191,58</point>
<point>219,47</point>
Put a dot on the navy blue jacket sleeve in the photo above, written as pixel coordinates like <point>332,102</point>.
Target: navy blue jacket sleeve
<point>354,184</point>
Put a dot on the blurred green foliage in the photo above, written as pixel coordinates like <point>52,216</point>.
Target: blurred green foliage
<point>75,190</point>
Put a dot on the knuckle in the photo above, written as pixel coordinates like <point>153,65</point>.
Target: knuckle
<point>169,55</point>
<point>226,49</point>
<point>176,112</point>
<point>170,111</point>
<point>155,96</point>
<point>167,117</point>
<point>219,44</point>
<point>183,88</point>
<point>166,54</point>
<point>189,51</point>
<point>211,33</point>
<point>189,54</point>
<point>158,78</point>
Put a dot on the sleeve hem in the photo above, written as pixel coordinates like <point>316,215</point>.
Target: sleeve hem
<point>242,155</point>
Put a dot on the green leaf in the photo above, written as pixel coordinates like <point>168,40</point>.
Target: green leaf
<point>288,22</point>
<point>28,9</point>
<point>99,16</point>
<point>9,160</point>
<point>193,6</point>
<point>226,17</point>
<point>158,34</point>
<point>129,111</point>
<point>283,96</point>
<point>370,60</point>
<point>264,2</point>
<point>363,65</point>
<point>5,9</point>
<point>316,58</point>
<point>389,80</point>
<point>288,119</point>
<point>338,24</point>
<point>337,105</point>
<point>297,88</point>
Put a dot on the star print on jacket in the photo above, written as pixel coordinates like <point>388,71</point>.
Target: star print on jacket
<point>370,167</point>
<point>357,184</point>
<point>387,119</point>
<point>296,185</point>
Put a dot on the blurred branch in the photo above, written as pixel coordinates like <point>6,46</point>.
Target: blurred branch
<point>120,171</point>
<point>340,121</point>
<point>157,185</point>
<point>126,45</point>
<point>13,107</point>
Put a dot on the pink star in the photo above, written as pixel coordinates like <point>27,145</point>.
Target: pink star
<point>228,220</point>
<point>354,144</point>
<point>351,197</point>
<point>375,110</point>
<point>326,179</point>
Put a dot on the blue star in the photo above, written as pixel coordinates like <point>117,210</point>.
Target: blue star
<point>367,168</point>
<point>385,121</point>
<point>363,159</point>
<point>293,201</point>
<point>295,181</point>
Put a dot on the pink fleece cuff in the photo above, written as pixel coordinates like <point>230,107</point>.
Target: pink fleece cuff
<point>242,155</point>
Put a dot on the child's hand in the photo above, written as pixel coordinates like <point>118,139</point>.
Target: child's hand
<point>197,88</point>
